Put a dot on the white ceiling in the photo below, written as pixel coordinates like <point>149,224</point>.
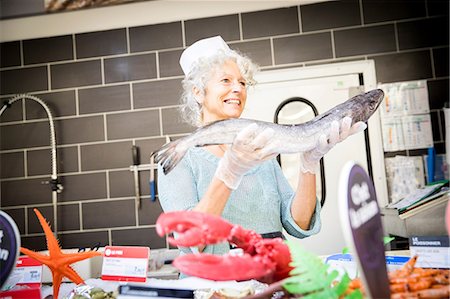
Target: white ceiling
<point>132,14</point>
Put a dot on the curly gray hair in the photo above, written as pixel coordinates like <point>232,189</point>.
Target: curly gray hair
<point>191,109</point>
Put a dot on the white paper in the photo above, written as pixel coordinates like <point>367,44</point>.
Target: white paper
<point>415,196</point>
<point>30,274</point>
<point>392,131</point>
<point>405,98</point>
<point>406,132</point>
<point>417,132</point>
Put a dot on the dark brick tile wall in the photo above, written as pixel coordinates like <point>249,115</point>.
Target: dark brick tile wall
<point>23,80</point>
<point>169,63</point>
<point>34,242</point>
<point>172,123</point>
<point>14,113</point>
<point>270,22</point>
<point>435,125</point>
<point>106,155</point>
<point>102,99</point>
<point>403,66</point>
<point>12,165</point>
<point>366,40</point>
<point>83,187</point>
<point>19,218</point>
<point>331,14</point>
<point>25,135</point>
<point>76,74</point>
<point>79,130</point>
<point>156,37</point>
<point>442,124</point>
<point>121,183</point>
<point>418,34</point>
<point>387,10</point>
<point>157,93</point>
<point>302,48</point>
<point>61,103</point>
<point>107,214</point>
<point>101,43</point>
<point>438,93</point>
<point>441,62</point>
<point>437,7</point>
<point>139,124</point>
<point>21,192</point>
<point>69,217</point>
<point>125,238</point>
<point>38,160</point>
<point>48,49</point>
<point>225,26</point>
<point>109,90</point>
<point>149,212</point>
<point>10,54</point>
<point>259,51</point>
<point>137,67</point>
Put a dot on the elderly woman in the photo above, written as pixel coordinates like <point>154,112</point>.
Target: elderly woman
<point>241,182</point>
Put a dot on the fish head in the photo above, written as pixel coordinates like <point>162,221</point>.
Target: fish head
<point>363,106</point>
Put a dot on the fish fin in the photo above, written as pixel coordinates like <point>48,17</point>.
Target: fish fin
<point>169,156</point>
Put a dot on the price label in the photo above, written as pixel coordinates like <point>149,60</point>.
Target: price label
<point>29,270</point>
<point>125,263</point>
<point>432,251</point>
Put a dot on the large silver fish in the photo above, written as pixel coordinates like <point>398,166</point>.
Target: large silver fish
<point>288,138</point>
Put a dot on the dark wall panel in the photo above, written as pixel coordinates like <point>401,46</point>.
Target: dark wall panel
<point>23,80</point>
<point>10,54</point>
<point>270,22</point>
<point>365,40</point>
<point>48,49</point>
<point>76,74</point>
<point>403,67</point>
<point>303,48</point>
<point>101,43</point>
<point>156,37</point>
<point>388,10</point>
<point>130,68</point>
<point>225,26</point>
<point>330,14</point>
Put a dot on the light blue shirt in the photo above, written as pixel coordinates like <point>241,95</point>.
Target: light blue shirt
<point>262,202</point>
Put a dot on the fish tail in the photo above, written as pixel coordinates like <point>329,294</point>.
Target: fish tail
<point>169,155</point>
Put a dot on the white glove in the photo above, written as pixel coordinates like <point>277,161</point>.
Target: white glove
<point>249,149</point>
<point>310,159</point>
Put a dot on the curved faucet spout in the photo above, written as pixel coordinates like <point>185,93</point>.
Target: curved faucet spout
<point>54,183</point>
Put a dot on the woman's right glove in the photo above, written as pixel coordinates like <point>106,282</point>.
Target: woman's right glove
<point>249,149</point>
<point>338,132</point>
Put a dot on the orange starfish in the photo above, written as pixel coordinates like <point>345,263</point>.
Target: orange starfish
<point>58,262</point>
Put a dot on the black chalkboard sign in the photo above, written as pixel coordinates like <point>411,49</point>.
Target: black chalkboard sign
<point>363,230</point>
<point>9,246</point>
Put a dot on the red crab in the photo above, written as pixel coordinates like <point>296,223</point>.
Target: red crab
<point>266,260</point>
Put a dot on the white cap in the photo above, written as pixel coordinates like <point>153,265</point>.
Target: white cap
<point>202,48</point>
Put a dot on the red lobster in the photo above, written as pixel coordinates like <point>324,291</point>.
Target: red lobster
<point>266,260</point>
